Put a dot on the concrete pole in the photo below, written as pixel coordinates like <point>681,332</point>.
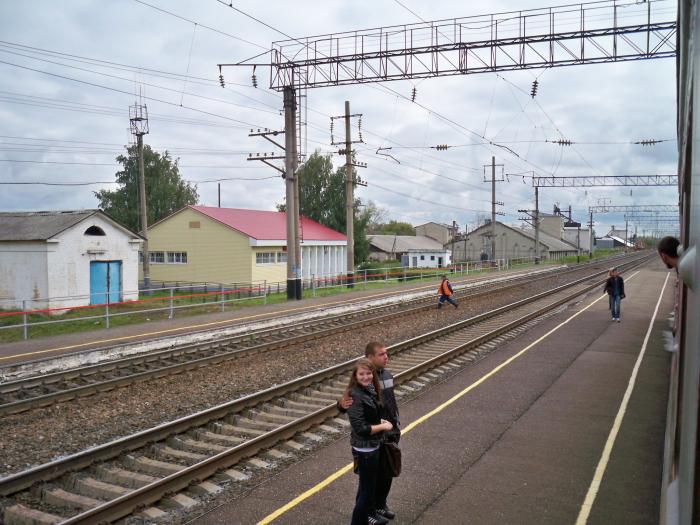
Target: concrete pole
<point>144,216</point>
<point>626,235</point>
<point>454,235</point>
<point>578,244</point>
<point>590,234</point>
<point>349,199</point>
<point>290,175</point>
<point>537,225</point>
<point>493,208</point>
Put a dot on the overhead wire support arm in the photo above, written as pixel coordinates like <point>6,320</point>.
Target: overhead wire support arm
<point>612,180</point>
<point>586,33</point>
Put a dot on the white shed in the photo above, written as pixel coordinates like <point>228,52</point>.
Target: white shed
<point>64,259</point>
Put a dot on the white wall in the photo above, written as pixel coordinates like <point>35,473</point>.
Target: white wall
<point>69,262</point>
<point>23,274</point>
<point>59,269</point>
<point>427,262</point>
<point>569,235</point>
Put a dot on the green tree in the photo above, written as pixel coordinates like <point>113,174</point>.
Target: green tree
<point>397,228</point>
<point>322,199</point>
<point>166,192</point>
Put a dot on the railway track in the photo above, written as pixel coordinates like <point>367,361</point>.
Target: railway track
<point>111,481</point>
<point>47,389</point>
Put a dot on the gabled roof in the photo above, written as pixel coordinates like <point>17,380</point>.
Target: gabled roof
<point>629,243</point>
<point>44,225</point>
<point>448,226</point>
<point>404,243</point>
<point>267,225</point>
<point>552,243</point>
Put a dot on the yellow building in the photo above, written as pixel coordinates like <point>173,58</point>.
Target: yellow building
<point>227,245</point>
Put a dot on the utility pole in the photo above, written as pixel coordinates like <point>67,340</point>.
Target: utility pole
<point>494,202</point>
<point>626,225</point>
<point>537,224</point>
<point>138,120</point>
<point>293,280</point>
<point>592,238</point>
<point>219,192</point>
<point>578,244</point>
<point>493,208</point>
<point>350,183</point>
<point>454,235</point>
<point>349,200</point>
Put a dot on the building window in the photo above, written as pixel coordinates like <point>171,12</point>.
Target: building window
<point>95,230</point>
<point>177,257</point>
<point>156,257</point>
<point>281,257</point>
<point>265,258</point>
<point>422,257</point>
<point>432,257</point>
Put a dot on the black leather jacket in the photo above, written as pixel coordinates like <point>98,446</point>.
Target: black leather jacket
<point>364,412</point>
<point>391,409</point>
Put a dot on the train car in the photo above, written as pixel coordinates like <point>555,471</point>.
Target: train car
<point>680,499</point>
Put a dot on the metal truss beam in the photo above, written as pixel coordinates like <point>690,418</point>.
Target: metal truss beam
<point>613,180</point>
<point>652,219</point>
<point>634,208</point>
<point>587,33</point>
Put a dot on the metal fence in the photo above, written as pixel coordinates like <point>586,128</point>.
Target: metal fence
<point>164,299</point>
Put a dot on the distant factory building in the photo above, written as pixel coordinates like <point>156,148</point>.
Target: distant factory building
<point>442,233</point>
<point>228,245</point>
<point>514,243</point>
<point>414,251</point>
<point>64,259</point>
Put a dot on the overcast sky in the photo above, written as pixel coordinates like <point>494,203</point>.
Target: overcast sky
<point>64,110</point>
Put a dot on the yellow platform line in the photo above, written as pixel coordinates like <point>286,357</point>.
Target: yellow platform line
<point>347,468</point>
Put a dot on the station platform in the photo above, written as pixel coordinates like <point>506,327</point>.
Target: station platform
<point>519,437</point>
<point>34,349</point>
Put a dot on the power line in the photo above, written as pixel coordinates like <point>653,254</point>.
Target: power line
<point>200,24</point>
<point>156,86</point>
<point>93,183</point>
<point>127,93</point>
<point>115,164</point>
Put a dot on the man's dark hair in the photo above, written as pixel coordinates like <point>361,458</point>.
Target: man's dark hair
<point>372,348</point>
<point>668,246</point>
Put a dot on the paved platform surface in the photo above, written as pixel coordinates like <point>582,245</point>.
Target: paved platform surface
<point>522,446</point>
<point>47,347</point>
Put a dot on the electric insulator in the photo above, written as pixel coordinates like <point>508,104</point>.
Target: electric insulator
<point>221,81</point>
<point>533,91</point>
<point>413,94</point>
<point>255,81</point>
<point>441,147</point>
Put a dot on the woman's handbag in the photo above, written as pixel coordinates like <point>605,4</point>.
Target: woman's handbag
<point>392,454</point>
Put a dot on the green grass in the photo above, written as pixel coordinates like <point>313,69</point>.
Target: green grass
<point>201,304</point>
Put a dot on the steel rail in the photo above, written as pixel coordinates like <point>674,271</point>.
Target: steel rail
<point>151,493</point>
<point>366,316</point>
<point>46,472</point>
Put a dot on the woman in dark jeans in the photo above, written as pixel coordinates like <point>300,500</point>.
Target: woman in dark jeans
<point>366,437</point>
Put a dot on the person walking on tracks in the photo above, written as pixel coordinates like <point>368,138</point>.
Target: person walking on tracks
<point>445,291</point>
<point>615,288</point>
<point>367,434</point>
<point>378,357</point>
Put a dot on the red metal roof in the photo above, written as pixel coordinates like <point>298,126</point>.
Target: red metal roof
<point>268,225</point>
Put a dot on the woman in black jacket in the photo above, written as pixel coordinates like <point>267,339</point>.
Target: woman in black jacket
<point>366,437</point>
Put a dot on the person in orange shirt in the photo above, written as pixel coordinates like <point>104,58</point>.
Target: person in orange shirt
<point>445,291</point>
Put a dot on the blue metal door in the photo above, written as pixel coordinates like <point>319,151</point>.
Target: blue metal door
<point>98,282</point>
<point>105,282</point>
<point>114,281</point>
